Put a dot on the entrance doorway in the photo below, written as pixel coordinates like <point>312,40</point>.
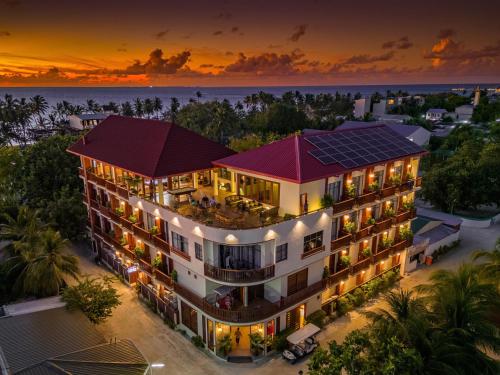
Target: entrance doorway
<point>243,348</point>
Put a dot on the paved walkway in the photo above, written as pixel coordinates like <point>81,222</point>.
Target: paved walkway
<point>160,344</point>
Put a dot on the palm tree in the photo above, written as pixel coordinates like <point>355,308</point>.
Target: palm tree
<point>198,95</point>
<point>174,109</point>
<point>148,107</point>
<point>490,268</point>
<point>21,229</point>
<point>157,106</point>
<point>39,106</point>
<point>126,109</point>
<point>138,107</point>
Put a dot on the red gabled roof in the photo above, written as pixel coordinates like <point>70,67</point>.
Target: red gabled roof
<point>290,158</point>
<point>150,148</point>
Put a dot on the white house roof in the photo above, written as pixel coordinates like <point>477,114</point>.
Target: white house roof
<point>436,110</point>
<point>307,331</point>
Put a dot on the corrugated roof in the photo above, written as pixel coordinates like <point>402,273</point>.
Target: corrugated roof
<point>290,159</point>
<point>150,148</point>
<point>92,116</point>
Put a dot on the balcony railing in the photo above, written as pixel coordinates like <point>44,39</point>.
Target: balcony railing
<point>366,198</point>
<point>180,253</point>
<point>361,265</point>
<point>145,266</point>
<point>122,192</point>
<point>400,246</point>
<point>338,276</point>
<point>302,294</point>
<point>403,216</point>
<point>363,232</point>
<point>341,242</point>
<point>98,180</point>
<point>418,182</point>
<point>160,276</point>
<point>161,243</point>
<point>110,186</point>
<point>81,172</point>
<point>188,295</point>
<point>343,205</point>
<point>141,232</point>
<point>239,276</point>
<point>127,224</point>
<point>387,192</point>
<point>381,255</point>
<point>311,252</point>
<point>114,216</point>
<point>163,306</point>
<point>94,204</point>
<point>382,225</point>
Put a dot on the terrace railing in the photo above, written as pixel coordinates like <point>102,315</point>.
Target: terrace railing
<point>239,276</point>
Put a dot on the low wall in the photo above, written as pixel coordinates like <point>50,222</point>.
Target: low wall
<point>445,241</point>
<point>479,223</point>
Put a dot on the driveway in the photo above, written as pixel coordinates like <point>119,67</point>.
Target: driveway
<point>160,344</point>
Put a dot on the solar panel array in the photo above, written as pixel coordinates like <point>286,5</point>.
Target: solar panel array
<point>358,147</point>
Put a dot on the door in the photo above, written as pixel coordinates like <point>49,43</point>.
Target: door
<point>303,203</point>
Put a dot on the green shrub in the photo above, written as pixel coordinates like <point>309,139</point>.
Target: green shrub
<point>317,318</point>
<point>367,252</point>
<point>326,201</point>
<point>350,227</point>
<point>132,219</point>
<point>139,252</point>
<point>358,297</point>
<point>345,260</point>
<point>373,186</point>
<point>197,341</point>
<point>256,343</point>
<point>288,217</point>
<point>225,345</point>
<point>156,261</point>
<point>279,341</point>
<point>174,276</point>
<point>326,272</point>
<point>344,305</point>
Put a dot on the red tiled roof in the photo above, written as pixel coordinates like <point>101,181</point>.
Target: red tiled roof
<point>289,159</point>
<point>150,148</point>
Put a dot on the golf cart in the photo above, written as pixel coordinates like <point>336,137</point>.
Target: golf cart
<point>301,343</point>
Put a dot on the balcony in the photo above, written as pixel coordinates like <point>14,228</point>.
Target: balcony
<point>81,172</point>
<point>342,206</point>
<point>239,276</point>
<point>366,198</point>
<point>122,192</point>
<point>160,276</point>
<point>160,242</point>
<point>365,232</point>
<point>126,223</point>
<point>114,216</point>
<point>180,253</point>
<point>418,182</point>
<point>387,192</point>
<point>94,204</point>
<point>311,252</point>
<point>145,266</point>
<point>97,179</point>
<point>110,186</point>
<point>341,242</point>
<point>404,216</point>
<point>400,246</point>
<point>382,225</point>
<point>381,255</point>
<point>164,306</point>
<point>140,232</point>
<point>302,294</point>
<point>361,265</point>
<point>338,276</point>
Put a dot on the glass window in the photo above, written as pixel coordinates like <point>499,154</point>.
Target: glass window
<point>198,251</point>
<point>259,189</point>
<point>240,257</point>
<point>281,252</point>
<point>179,242</point>
<point>224,173</point>
<point>333,190</point>
<point>313,241</point>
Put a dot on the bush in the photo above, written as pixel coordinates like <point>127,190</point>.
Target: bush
<point>197,341</point>
<point>174,276</point>
<point>279,342</point>
<point>288,217</point>
<point>358,297</point>
<point>139,252</point>
<point>317,318</point>
<point>344,305</point>
<point>169,322</point>
<point>345,260</point>
<point>326,201</point>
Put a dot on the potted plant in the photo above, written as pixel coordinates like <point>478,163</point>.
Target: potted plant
<point>174,276</point>
<point>225,345</point>
<point>139,252</point>
<point>367,252</point>
<point>345,261</point>
<point>406,234</point>
<point>395,180</point>
<point>370,221</point>
<point>386,243</point>
<point>156,262</point>
<point>123,241</point>
<point>119,211</point>
<point>326,201</point>
<point>389,212</point>
<point>409,206</point>
<point>326,272</point>
<point>132,219</point>
<point>154,230</point>
<point>350,227</point>
<point>373,186</point>
<point>351,190</point>
<point>256,343</point>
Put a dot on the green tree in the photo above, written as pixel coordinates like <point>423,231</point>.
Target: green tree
<point>96,298</point>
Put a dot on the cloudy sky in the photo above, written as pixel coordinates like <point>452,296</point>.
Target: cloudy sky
<point>251,43</point>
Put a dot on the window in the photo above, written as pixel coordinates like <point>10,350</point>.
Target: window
<point>224,173</point>
<point>357,182</point>
<point>281,252</point>
<point>198,251</point>
<point>296,282</point>
<point>180,242</point>
<point>239,257</point>
<point>379,177</point>
<point>313,241</point>
<point>151,221</point>
<point>333,190</point>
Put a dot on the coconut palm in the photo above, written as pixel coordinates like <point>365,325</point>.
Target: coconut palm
<point>148,107</point>
<point>138,107</point>
<point>490,268</point>
<point>21,229</point>
<point>39,106</point>
<point>157,106</point>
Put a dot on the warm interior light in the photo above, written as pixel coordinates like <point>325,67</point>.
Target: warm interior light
<point>346,217</point>
<point>122,203</point>
<point>344,252</point>
<point>398,254</point>
<point>385,233</point>
<point>349,181</point>
<point>136,209</point>
<point>371,175</point>
<point>341,283</point>
<point>368,208</point>
<point>365,241</point>
<point>382,262</point>
<point>362,272</point>
<point>392,170</point>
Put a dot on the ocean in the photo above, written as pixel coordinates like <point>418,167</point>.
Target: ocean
<point>102,95</point>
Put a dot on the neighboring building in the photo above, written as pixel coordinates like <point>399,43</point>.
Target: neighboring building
<point>379,108</point>
<point>87,120</point>
<point>361,107</point>
<point>477,96</point>
<point>414,133</point>
<point>463,113</point>
<point>398,119</point>
<point>47,339</point>
<point>242,242</point>
<point>436,114</point>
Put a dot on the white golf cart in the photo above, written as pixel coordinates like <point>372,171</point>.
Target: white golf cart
<point>301,343</point>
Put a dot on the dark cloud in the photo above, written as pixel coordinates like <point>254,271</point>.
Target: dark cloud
<point>273,46</point>
<point>229,53</point>
<point>156,64</point>
<point>224,16</point>
<point>299,32</point>
<point>4,33</point>
<point>266,64</point>
<point>368,59</point>
<point>206,66</point>
<point>446,33</point>
<point>161,34</point>
<point>217,33</point>
<point>121,49</point>
<point>401,43</point>
<point>235,29</point>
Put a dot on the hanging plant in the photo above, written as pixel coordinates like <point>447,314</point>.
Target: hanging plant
<point>367,252</point>
<point>350,227</point>
<point>139,252</point>
<point>373,186</point>
<point>156,262</point>
<point>345,260</point>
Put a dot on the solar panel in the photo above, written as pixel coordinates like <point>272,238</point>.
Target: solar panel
<point>356,147</point>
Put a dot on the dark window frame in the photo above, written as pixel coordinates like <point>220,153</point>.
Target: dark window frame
<point>281,252</point>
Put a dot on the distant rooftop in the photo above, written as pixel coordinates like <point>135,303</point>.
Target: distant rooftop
<point>404,130</point>
<point>92,116</point>
<point>437,110</point>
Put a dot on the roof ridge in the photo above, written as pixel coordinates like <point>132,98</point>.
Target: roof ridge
<point>297,158</point>
<point>162,148</point>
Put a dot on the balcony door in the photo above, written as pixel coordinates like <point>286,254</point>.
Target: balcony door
<point>244,257</point>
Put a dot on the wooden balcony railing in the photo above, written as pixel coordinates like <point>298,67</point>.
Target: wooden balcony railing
<point>110,186</point>
<point>145,266</point>
<point>418,182</point>
<point>382,225</point>
<point>180,253</point>
<point>343,205</point>
<point>94,204</point>
<point>141,232</point>
<point>337,277</point>
<point>122,192</point>
<point>239,276</point>
<point>163,306</point>
<point>381,255</point>
<point>341,242</point>
<point>388,191</point>
<point>361,265</point>
<point>160,276</point>
<point>403,216</point>
<point>161,243</point>
<point>364,232</point>
<point>98,180</point>
<point>188,295</point>
<point>367,198</point>
<point>311,252</point>
<point>302,294</point>
<point>400,246</point>
<point>81,172</point>
<point>114,216</point>
<point>127,224</point>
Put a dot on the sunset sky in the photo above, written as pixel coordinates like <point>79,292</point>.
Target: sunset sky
<point>247,43</point>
